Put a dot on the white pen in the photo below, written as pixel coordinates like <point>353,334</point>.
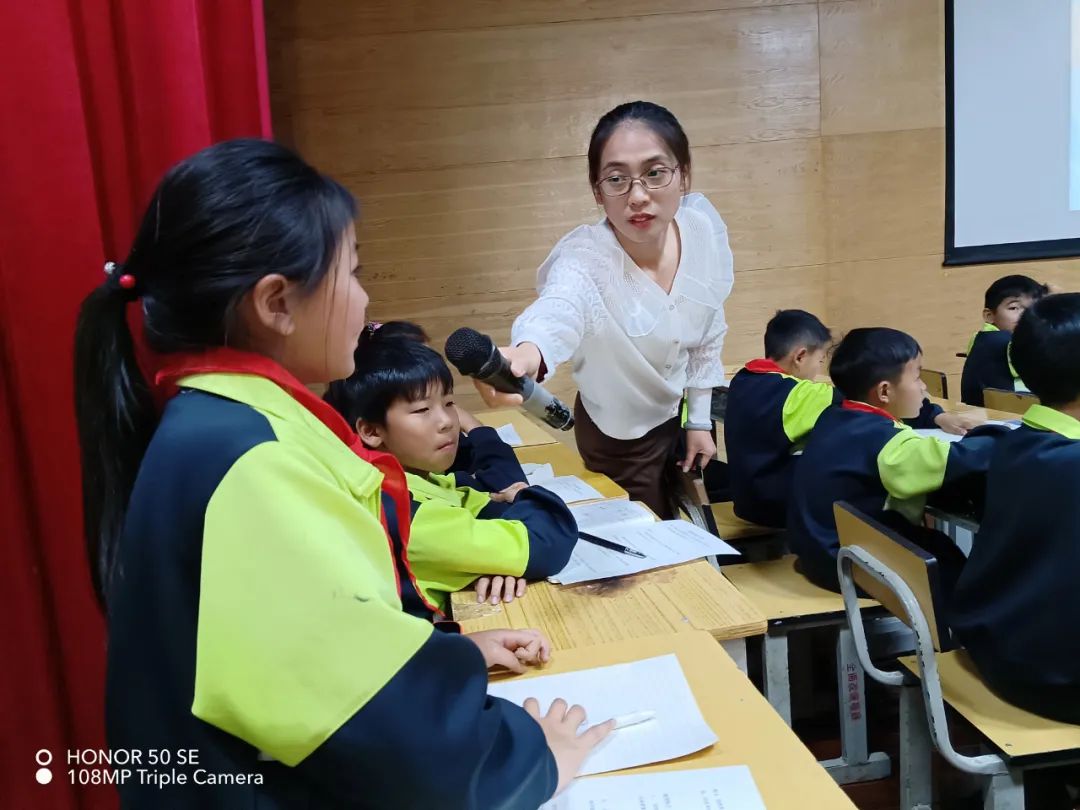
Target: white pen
<point>632,719</point>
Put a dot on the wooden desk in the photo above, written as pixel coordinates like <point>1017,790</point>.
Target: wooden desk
<point>982,413</point>
<point>564,460</point>
<point>531,433</point>
<point>666,601</point>
<point>750,733</point>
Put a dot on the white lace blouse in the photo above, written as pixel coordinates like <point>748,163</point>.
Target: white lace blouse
<point>634,348</point>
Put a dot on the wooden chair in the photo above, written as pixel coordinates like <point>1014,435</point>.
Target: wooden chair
<point>937,384</point>
<point>1017,402</point>
<point>906,580</point>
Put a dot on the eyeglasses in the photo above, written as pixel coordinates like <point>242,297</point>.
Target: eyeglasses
<point>654,179</point>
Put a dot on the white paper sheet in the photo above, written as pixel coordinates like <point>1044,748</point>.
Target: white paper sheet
<point>509,434</point>
<point>651,684</point>
<point>537,473</point>
<point>667,542</point>
<point>571,489</point>
<point>939,434</point>
<point>952,437</point>
<point>603,515</point>
<point>730,788</point>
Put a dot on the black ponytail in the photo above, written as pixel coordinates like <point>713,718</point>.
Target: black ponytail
<point>112,405</point>
<point>218,222</point>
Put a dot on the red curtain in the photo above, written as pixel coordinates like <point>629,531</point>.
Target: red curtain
<point>97,99</point>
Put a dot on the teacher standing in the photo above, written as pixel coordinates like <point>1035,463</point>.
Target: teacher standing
<point>636,304</point>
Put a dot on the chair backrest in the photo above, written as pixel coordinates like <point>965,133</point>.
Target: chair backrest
<point>915,566</point>
<point>937,384</point>
<point>1009,401</point>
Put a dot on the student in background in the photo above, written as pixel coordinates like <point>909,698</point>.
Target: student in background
<point>238,539</point>
<point>772,404</point>
<point>987,364</point>
<point>1017,606</point>
<point>400,399</point>
<point>862,452</point>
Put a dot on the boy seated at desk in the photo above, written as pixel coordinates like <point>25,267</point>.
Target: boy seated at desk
<point>481,452</point>
<point>400,400</point>
<point>1016,607</point>
<point>988,364</point>
<point>862,452</point>
<point>772,406</point>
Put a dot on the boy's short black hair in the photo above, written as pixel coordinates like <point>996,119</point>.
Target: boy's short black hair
<point>791,329</point>
<point>865,357</point>
<point>1045,348</point>
<point>393,361</point>
<point>1013,287</point>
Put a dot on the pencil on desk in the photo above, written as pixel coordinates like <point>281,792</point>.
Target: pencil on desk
<point>600,541</point>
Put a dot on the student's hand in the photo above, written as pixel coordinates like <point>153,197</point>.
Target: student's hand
<point>508,495</point>
<point>512,649</point>
<point>560,726</point>
<point>467,420</point>
<point>698,443</point>
<point>957,423</point>
<point>500,587</point>
<point>524,362</point>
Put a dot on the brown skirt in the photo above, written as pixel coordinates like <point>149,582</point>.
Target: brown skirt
<point>644,467</point>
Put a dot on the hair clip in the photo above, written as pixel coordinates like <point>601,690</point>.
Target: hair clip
<point>110,267</point>
<point>372,326</point>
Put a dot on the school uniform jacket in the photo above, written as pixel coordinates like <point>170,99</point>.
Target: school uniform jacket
<point>988,365</point>
<point>1016,606</point>
<point>256,609</point>
<point>458,534</point>
<point>488,459</point>
<point>861,454</point>
<point>768,416</point>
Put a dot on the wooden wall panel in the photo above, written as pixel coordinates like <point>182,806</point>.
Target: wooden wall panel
<point>882,65</point>
<point>885,194</point>
<point>755,298</point>
<point>294,20</point>
<point>817,130</point>
<point>471,229</point>
<point>940,306</point>
<point>372,103</point>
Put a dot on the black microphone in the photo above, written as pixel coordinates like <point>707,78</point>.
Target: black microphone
<point>477,356</point>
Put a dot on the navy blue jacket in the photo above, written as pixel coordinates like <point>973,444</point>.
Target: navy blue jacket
<point>1016,606</point>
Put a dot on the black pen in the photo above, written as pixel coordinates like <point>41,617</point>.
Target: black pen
<point>600,541</point>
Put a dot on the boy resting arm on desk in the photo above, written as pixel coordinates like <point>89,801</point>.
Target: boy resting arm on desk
<point>400,398</point>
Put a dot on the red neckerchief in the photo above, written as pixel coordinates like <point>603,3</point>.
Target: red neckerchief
<point>175,367</point>
<point>852,405</point>
<point>764,366</point>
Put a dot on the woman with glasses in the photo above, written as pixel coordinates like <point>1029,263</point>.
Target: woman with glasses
<point>636,304</point>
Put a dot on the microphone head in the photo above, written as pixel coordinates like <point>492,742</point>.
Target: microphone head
<point>468,350</point>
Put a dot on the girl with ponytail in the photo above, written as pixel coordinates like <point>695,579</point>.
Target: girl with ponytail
<point>240,536</point>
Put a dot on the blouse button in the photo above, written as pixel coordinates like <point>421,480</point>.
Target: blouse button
<point>671,306</point>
